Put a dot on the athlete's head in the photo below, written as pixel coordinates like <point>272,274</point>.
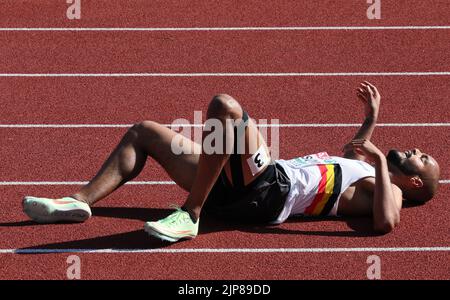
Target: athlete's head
<point>416,173</point>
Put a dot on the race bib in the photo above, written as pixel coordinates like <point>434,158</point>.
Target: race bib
<point>258,160</point>
<point>321,158</point>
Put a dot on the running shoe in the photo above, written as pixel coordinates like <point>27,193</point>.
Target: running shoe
<point>45,210</point>
<point>178,225</point>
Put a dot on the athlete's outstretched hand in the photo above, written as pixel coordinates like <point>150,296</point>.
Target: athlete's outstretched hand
<point>370,97</point>
<point>365,148</point>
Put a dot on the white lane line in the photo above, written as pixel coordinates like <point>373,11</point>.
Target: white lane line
<point>312,125</point>
<point>324,74</point>
<point>8,183</point>
<point>271,28</point>
<point>229,250</point>
<point>26,183</point>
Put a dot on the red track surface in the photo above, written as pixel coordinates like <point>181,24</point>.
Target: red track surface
<point>162,13</point>
<point>75,154</point>
<point>304,100</point>
<point>181,52</point>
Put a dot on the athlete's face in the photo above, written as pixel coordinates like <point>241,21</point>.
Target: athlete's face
<point>412,162</point>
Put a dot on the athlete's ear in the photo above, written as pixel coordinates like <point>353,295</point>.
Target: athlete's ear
<point>416,182</point>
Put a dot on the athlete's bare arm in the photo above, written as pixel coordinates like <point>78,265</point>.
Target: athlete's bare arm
<point>387,197</point>
<point>370,97</point>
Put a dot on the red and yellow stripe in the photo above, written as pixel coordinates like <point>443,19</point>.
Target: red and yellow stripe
<point>328,190</point>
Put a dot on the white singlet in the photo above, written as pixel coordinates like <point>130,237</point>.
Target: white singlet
<point>318,181</point>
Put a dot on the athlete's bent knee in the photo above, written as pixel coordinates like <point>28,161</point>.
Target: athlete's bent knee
<point>224,106</point>
<point>145,128</point>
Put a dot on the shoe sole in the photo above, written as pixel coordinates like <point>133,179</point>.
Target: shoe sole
<point>153,232</point>
<point>39,212</point>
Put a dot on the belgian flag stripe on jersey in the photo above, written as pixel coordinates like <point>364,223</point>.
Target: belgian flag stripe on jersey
<point>328,190</point>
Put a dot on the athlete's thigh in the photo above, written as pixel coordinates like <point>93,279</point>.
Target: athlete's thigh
<point>254,144</point>
<point>177,154</point>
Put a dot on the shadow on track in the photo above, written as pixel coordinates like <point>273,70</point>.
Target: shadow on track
<point>138,239</point>
<point>359,227</point>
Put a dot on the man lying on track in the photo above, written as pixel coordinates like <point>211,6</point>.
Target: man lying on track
<point>242,183</point>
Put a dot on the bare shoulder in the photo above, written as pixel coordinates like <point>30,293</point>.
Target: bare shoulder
<point>358,199</point>
<point>368,184</point>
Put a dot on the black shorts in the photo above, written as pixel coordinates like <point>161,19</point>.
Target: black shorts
<point>259,202</point>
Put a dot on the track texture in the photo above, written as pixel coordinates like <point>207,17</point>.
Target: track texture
<point>74,154</point>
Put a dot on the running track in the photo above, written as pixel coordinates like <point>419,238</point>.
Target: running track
<point>304,103</point>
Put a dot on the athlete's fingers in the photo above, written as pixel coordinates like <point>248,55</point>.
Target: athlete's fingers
<point>360,90</point>
<point>361,96</point>
<point>358,144</point>
<point>349,147</point>
<point>368,83</point>
<point>373,89</point>
<point>371,85</point>
<point>366,86</point>
<point>370,90</point>
<point>363,86</point>
<point>354,145</point>
<point>367,90</point>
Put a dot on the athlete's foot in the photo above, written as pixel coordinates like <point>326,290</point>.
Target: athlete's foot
<point>81,198</point>
<point>178,225</point>
<point>45,210</point>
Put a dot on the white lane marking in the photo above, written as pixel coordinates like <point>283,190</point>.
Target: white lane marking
<point>229,250</point>
<point>8,183</point>
<point>324,74</point>
<point>12,183</point>
<point>312,125</point>
<point>270,28</point>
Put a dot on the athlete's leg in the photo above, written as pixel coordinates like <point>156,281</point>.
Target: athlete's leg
<point>128,159</point>
<point>125,163</point>
<point>226,111</point>
<point>224,108</point>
